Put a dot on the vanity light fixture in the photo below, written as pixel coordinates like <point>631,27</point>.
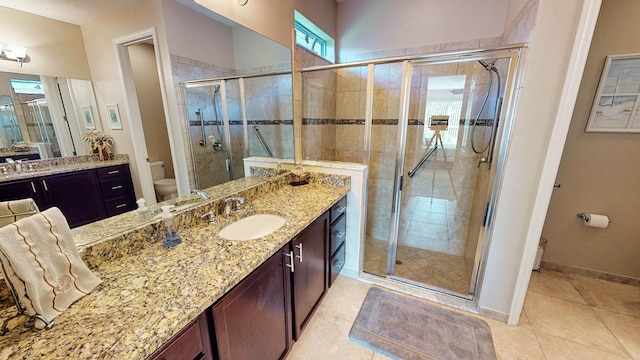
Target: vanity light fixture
<point>14,53</point>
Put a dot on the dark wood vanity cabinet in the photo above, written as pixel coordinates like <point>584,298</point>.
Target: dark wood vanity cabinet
<point>117,189</point>
<point>21,189</point>
<point>261,316</point>
<point>191,343</point>
<point>76,194</point>
<point>309,282</point>
<point>337,240</point>
<point>253,320</point>
<point>82,196</point>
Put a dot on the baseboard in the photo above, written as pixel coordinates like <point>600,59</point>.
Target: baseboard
<point>493,314</point>
<point>590,273</point>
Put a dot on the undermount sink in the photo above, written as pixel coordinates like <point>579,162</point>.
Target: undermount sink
<point>252,227</point>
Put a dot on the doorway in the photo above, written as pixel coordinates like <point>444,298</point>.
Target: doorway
<point>144,93</point>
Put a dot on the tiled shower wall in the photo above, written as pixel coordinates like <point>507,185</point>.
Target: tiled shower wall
<point>268,106</point>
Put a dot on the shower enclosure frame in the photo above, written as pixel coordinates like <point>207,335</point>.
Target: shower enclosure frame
<point>499,132</point>
<point>501,137</point>
<point>220,81</point>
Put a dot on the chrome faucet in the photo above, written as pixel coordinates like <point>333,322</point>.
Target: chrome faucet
<point>234,203</point>
<point>202,194</point>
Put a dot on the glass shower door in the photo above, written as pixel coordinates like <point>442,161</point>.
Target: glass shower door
<point>445,176</point>
<point>207,113</point>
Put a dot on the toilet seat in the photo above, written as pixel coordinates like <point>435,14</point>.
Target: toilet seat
<point>165,182</point>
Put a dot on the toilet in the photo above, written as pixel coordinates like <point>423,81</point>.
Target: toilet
<point>165,188</point>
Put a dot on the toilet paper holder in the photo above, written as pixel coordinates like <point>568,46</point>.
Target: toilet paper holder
<point>583,216</point>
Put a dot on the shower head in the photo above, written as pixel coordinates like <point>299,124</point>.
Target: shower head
<point>488,64</point>
<point>197,112</point>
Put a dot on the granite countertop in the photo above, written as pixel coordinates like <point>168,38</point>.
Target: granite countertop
<point>146,297</point>
<point>59,166</point>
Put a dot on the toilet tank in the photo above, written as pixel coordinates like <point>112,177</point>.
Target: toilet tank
<point>157,170</point>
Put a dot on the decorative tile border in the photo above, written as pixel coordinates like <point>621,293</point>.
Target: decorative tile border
<point>239,122</point>
<point>319,121</point>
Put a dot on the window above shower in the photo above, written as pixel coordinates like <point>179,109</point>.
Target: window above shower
<point>312,38</point>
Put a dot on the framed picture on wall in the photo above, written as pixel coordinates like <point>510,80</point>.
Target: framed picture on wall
<point>114,117</point>
<point>87,115</point>
<point>616,107</point>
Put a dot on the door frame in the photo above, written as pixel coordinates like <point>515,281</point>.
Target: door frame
<point>132,110</point>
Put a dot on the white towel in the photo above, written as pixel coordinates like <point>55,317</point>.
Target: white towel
<point>14,210</point>
<point>43,263</point>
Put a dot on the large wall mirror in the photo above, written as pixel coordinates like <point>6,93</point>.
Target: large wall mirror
<point>201,45</point>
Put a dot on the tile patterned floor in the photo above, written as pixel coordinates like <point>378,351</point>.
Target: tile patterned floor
<point>565,317</point>
<point>424,266</point>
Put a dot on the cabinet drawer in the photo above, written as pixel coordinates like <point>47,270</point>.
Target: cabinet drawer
<point>114,188</point>
<point>338,233</point>
<point>119,205</point>
<point>338,209</point>
<point>337,263</point>
<point>113,172</point>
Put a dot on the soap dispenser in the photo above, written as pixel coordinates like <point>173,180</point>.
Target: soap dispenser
<point>143,211</point>
<point>171,237</point>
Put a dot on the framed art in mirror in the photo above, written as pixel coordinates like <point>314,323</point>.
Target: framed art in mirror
<point>87,115</point>
<point>114,117</point>
<point>616,107</point>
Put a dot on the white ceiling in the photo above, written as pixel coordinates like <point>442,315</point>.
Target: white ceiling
<point>76,12</point>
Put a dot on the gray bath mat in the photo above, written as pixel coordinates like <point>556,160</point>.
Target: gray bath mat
<point>405,328</point>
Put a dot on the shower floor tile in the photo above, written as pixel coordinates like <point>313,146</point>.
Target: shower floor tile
<point>424,266</point>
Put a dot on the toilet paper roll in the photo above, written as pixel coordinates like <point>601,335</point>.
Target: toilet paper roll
<point>595,220</point>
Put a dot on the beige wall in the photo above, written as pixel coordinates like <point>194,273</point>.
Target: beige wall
<point>55,47</point>
<point>548,56</point>
<point>374,25</point>
<point>273,19</point>
<point>145,74</point>
<point>98,36</point>
<point>599,172</point>
<point>254,51</point>
<point>513,10</point>
<point>323,13</point>
<point>196,36</point>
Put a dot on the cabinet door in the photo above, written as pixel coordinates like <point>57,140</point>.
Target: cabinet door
<point>22,189</point>
<point>252,321</point>
<point>190,343</point>
<point>76,194</point>
<point>309,277</point>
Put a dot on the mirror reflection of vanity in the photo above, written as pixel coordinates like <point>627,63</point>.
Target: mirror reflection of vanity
<point>194,45</point>
<point>40,116</point>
